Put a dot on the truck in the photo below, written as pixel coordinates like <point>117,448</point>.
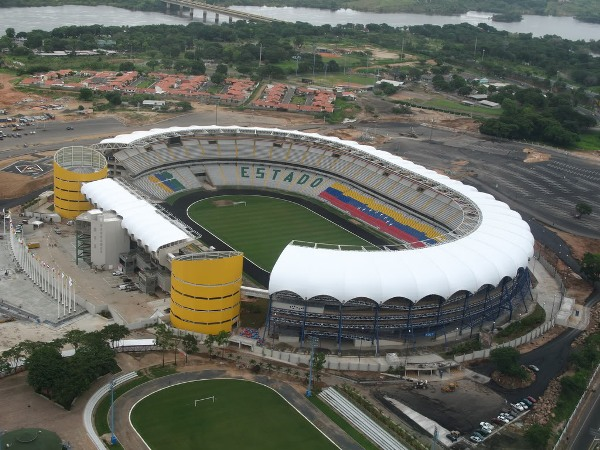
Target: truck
<point>31,245</point>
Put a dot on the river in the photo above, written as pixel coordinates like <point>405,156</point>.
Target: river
<point>50,17</point>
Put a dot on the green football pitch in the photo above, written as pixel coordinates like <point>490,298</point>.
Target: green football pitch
<point>263,226</point>
<point>244,415</point>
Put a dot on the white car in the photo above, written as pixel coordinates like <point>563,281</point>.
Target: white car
<point>486,425</point>
<point>523,405</point>
<point>503,419</point>
<point>476,439</point>
<point>517,406</point>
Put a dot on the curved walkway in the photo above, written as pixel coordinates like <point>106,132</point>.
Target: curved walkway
<point>129,438</point>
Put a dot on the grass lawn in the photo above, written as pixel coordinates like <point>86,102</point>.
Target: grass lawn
<point>589,141</point>
<point>31,439</point>
<point>263,227</point>
<point>244,415</point>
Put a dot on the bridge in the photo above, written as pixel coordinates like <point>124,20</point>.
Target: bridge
<point>190,5</point>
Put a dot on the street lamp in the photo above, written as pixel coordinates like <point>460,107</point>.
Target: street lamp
<point>456,336</point>
<point>113,438</point>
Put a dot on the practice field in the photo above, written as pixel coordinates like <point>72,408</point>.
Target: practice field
<point>243,415</point>
<point>264,225</point>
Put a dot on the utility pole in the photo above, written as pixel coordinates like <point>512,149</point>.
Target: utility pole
<point>113,438</point>
<point>260,56</point>
<point>402,51</point>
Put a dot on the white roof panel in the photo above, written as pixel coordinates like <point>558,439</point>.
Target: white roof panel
<point>140,218</point>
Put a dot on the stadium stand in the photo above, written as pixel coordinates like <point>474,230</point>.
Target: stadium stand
<point>360,420</point>
<point>461,258</point>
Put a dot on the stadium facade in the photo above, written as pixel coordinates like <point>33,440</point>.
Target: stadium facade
<point>72,167</point>
<point>456,259</point>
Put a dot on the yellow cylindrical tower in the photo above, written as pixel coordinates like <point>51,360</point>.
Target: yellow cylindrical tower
<point>205,291</point>
<point>73,166</point>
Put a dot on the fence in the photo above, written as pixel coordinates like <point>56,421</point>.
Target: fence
<point>90,406</point>
<point>485,353</point>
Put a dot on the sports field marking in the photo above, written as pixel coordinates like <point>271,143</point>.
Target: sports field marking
<point>202,399</point>
<point>169,426</point>
<point>274,236</point>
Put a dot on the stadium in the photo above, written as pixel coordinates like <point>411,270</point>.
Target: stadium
<point>437,256</point>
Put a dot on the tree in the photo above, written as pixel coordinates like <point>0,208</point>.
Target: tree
<point>583,208</point>
<point>538,435</point>
<point>115,332</point>
<point>45,369</point>
<point>190,344</point>
<point>221,339</point>
<point>113,97</point>
<point>74,337</point>
<point>4,365</point>
<point>507,361</point>
<point>126,66</point>
<point>217,78</point>
<point>86,94</point>
<point>590,266</point>
<point>14,356</point>
<point>164,340</point>
<point>318,364</point>
<point>10,32</point>
<point>209,341</point>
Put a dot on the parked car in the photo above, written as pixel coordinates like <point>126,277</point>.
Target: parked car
<point>503,419</point>
<point>524,405</point>
<point>70,128</point>
<point>531,399</point>
<point>487,425</point>
<point>527,402</point>
<point>476,438</point>
<point>517,406</point>
<point>484,431</point>
<point>453,436</point>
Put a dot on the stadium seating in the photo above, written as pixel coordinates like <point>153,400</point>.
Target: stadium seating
<point>360,420</point>
<point>387,219</point>
<point>275,177</point>
<point>390,193</point>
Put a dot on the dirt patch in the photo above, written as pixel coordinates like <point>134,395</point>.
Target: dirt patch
<point>508,382</point>
<point>534,156</point>
<point>13,185</point>
<point>579,245</point>
<point>449,409</point>
<point>221,203</point>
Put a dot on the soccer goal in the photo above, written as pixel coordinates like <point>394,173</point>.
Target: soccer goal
<point>239,203</point>
<point>202,399</point>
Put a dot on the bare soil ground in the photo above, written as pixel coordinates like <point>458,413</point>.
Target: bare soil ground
<point>460,410</point>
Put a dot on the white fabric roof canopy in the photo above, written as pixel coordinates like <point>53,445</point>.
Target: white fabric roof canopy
<point>140,218</point>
